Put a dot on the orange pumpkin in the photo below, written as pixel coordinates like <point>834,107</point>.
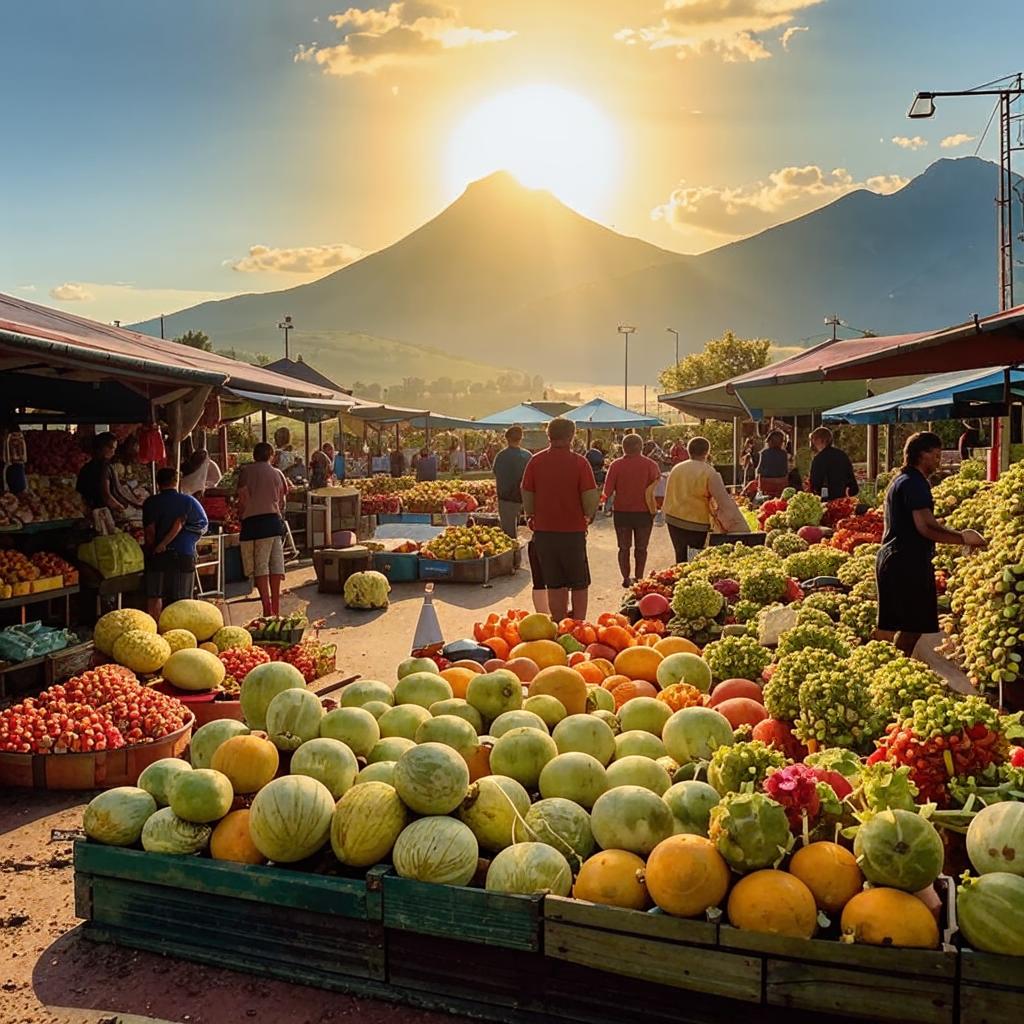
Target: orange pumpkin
<point>686,875</point>
<point>639,663</point>
<point>499,646</point>
<point>231,840</point>
<point>564,684</point>
<point>613,878</point>
<point>774,902</point>
<point>681,695</point>
<point>249,762</point>
<point>633,688</point>
<point>830,871</point>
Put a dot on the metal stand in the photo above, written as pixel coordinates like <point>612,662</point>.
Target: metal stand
<point>214,560</point>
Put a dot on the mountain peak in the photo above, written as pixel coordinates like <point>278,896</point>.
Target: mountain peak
<point>499,182</point>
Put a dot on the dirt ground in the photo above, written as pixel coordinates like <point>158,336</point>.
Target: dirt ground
<point>50,974</point>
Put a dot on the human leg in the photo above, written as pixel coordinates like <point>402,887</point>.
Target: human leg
<point>624,538</point>
<point>580,600</point>
<point>641,541</point>
<point>540,593</point>
<point>576,571</point>
<point>508,516</point>
<point>558,603</point>
<point>906,642</point>
<point>276,566</point>
<point>676,535</point>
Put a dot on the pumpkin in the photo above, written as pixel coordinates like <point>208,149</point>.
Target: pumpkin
<point>681,695</point>
<point>774,902</point>
<point>830,871</point>
<point>686,875</point>
<point>889,917</point>
<point>613,878</point>
<point>231,839</point>
<point>249,762</point>
<point>565,684</point>
<point>290,818</point>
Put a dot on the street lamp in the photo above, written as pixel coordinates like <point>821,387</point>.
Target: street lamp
<point>626,330</point>
<point>286,325</point>
<point>672,330</point>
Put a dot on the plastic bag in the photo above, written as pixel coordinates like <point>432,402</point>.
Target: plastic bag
<point>116,555</point>
<point>151,445</point>
<point>33,640</point>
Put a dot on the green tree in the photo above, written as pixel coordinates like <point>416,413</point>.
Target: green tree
<point>195,339</point>
<point>262,359</point>
<point>721,359</point>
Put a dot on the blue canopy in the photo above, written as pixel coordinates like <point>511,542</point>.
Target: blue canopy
<point>943,396</point>
<point>435,421</point>
<point>601,415</point>
<point>523,415</point>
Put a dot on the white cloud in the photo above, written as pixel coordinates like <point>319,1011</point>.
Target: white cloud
<point>787,193</point>
<point>71,291</point>
<point>306,259</point>
<point>728,29</point>
<point>25,288</point>
<point>904,142</point>
<point>790,32</point>
<point>952,141</point>
<point>401,33</point>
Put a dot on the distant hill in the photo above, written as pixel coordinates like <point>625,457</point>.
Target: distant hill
<point>510,276</point>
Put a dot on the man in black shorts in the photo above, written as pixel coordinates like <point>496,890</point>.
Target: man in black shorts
<point>560,497</point>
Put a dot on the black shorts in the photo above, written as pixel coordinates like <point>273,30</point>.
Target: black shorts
<point>907,598</point>
<point>169,576</point>
<point>562,558</point>
<point>633,529</point>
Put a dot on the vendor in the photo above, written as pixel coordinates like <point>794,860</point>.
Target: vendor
<point>173,523</point>
<point>773,465</point>
<point>907,599</point>
<point>832,473</point>
<point>321,465</point>
<point>97,481</point>
<point>198,473</point>
<point>262,493</point>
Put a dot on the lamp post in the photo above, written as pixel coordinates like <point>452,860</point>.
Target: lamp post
<point>626,330</point>
<point>672,330</point>
<point>286,325</point>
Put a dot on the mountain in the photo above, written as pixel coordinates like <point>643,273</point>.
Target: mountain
<point>511,275</point>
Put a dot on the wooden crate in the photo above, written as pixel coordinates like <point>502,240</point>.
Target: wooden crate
<point>318,929</point>
<point>652,948</point>
<point>991,988</point>
<point>471,915</point>
<point>72,661</point>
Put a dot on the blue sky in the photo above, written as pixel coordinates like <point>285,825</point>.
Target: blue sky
<point>153,144</point>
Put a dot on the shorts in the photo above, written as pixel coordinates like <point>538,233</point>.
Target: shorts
<point>633,529</point>
<point>508,515</point>
<point>170,576</point>
<point>263,557</point>
<point>907,597</point>
<point>535,567</point>
<point>562,558</point>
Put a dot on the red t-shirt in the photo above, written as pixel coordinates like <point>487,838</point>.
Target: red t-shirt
<point>629,477</point>
<point>557,477</point>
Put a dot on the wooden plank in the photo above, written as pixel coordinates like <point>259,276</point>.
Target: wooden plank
<point>989,1004</point>
<point>490,918</point>
<point>630,922</point>
<point>696,968</point>
<point>83,896</point>
<point>279,887</point>
<point>992,969</point>
<point>863,994</point>
<point>259,933</point>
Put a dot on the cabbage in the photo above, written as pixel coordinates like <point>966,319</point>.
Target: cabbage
<point>367,590</point>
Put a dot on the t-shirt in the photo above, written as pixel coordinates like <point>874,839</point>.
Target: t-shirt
<point>90,482</point>
<point>509,466</point>
<point>908,492</point>
<point>265,488</point>
<point>557,477</point>
<point>339,466</point>
<point>426,467</point>
<point>773,463</point>
<point>629,478</point>
<point>831,468</point>
<point>164,508</point>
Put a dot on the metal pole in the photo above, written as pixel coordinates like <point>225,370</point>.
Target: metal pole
<point>625,377</point>
<point>645,399</point>
<point>307,445</point>
<point>161,326</point>
<point>263,419</point>
<point>735,450</point>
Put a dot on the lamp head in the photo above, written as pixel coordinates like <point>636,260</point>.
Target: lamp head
<point>922,107</point>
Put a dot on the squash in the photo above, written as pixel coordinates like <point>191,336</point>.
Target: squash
<point>614,878</point>
<point>830,871</point>
<point>544,653</point>
<point>686,875</point>
<point>889,917</point>
<point>774,902</point>
<point>249,762</point>
<point>231,839</point>
<point>564,684</point>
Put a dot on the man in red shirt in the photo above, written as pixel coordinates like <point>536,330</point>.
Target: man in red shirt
<point>560,497</point>
<point>631,481</point>
<point>678,453</point>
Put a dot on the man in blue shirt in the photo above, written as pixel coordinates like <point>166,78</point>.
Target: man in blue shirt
<point>173,523</point>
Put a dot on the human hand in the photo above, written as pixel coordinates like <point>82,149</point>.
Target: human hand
<point>973,539</point>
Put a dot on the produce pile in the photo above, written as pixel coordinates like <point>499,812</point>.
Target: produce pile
<point>433,496</point>
<point>103,709</point>
<point>52,501</point>
<point>380,504</point>
<point>458,543</point>
<point>29,574</point>
<point>54,453</point>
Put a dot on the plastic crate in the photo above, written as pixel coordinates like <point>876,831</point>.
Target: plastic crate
<point>334,566</point>
<point>470,570</point>
<point>398,567</point>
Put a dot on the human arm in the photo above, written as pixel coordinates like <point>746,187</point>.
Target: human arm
<point>726,510</point>
<point>176,528</point>
<point>611,480</point>
<point>527,487</point>
<point>818,475</point>
<point>590,493</point>
<point>928,526</point>
<point>107,490</point>
<point>852,488</point>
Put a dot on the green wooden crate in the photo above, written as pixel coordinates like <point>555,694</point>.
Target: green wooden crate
<point>656,948</point>
<point>457,912</point>
<point>991,987</point>
<point>319,929</point>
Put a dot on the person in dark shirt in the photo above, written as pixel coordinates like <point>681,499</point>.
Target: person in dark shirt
<point>773,465</point>
<point>397,462</point>
<point>96,481</point>
<point>907,599</point>
<point>832,473</point>
<point>173,523</point>
<point>969,439</point>
<point>596,457</point>
<point>509,466</point>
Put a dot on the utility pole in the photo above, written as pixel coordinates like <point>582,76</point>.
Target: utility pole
<point>286,325</point>
<point>626,330</point>
<point>672,330</point>
<point>161,327</point>
<point>834,322</point>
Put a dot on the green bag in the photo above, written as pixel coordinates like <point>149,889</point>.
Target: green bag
<point>116,555</point>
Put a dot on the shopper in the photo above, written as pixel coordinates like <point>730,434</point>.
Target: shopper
<point>262,491</point>
<point>678,452</point>
<point>773,465</point>
<point>199,473</point>
<point>172,522</point>
<point>969,439</point>
<point>630,484</point>
<point>321,463</point>
<point>907,599</point>
<point>832,473</point>
<point>97,481</point>
<point>424,465</point>
<point>696,500</point>
<point>397,462</point>
<point>340,466</point>
<point>596,457</point>
<point>509,466</point>
<point>560,497</point>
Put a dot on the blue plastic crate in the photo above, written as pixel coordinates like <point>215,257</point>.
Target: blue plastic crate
<point>397,567</point>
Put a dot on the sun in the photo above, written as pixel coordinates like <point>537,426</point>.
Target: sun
<point>547,136</point>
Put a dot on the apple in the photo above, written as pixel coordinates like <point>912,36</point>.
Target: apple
<point>685,668</point>
<point>410,665</point>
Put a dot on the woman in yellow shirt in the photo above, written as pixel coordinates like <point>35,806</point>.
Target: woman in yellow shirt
<point>696,500</point>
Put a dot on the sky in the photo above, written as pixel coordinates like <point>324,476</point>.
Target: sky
<point>162,152</point>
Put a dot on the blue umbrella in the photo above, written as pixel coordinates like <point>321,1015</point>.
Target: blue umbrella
<point>602,415</point>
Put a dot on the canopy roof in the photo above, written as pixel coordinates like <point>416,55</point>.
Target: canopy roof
<point>524,415</point>
<point>944,396</point>
<point>601,415</point>
<point>299,369</point>
<point>435,421</point>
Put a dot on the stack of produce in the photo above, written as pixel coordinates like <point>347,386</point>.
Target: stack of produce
<point>459,543</point>
<point>50,565</point>
<point>54,453</point>
<point>277,628</point>
<point>451,496</point>
<point>50,503</point>
<point>377,485</point>
<point>857,530</point>
<point>380,504</point>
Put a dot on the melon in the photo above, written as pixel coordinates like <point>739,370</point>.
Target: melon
<point>637,743</point>
<point>432,778</point>
<point>995,838</point>
<point>549,709</point>
<point>630,818</point>
<point>684,668</point>
<point>110,626</point>
<point>362,691</point>
<point>201,618</point>
<point>729,688</point>
<point>742,711</point>
<point>574,776</point>
<point>608,717</point>
<point>403,720</point>
<point>328,761</point>
<point>144,653</point>
<point>262,684</point>
<point>645,714</point>
<point>422,688</point>
<point>773,902</point>
<point>180,640</point>
<point>411,665</point>
<point>598,699</point>
<point>586,734</point>
<point>201,796</point>
<point>900,850</point>
<point>194,669</point>
<point>355,727</point>
<point>521,754</point>
<point>436,849</point>
<point>165,832</point>
<point>690,803</point>
<point>232,841</point>
<point>652,606</point>
<point>565,684</point>
<point>116,816</point>
<point>990,910</point>
<point>461,708</point>
<point>390,748</point>
<point>494,693</point>
<point>451,731</point>
<point>249,762</point>
<point>686,876</point>
<point>367,821</point>
<point>694,734</point>
<point>521,719</point>
<point>889,917</point>
<point>527,868</point>
<point>232,636</point>
<point>290,818</point>
<point>491,809</point>
<point>830,871</point>
<point>613,878</point>
<point>559,823</point>
<point>638,771</point>
<point>156,778</point>
<point>207,738</point>
<point>376,708</point>
<point>293,718</point>
<point>380,771</point>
